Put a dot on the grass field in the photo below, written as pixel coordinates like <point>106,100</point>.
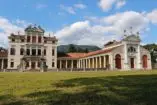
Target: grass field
<point>79,88</point>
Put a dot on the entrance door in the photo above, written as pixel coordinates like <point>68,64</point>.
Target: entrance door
<point>118,61</point>
<point>132,62</point>
<point>145,61</point>
<point>33,65</point>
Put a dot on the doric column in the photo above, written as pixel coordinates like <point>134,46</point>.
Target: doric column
<point>66,64</point>
<point>2,63</point>
<point>71,65</point>
<point>60,64</point>
<point>89,63</point>
<point>104,57</point>
<point>93,61</point>
<point>96,62</point>
<point>86,63</point>
<point>78,63</point>
<point>100,66</point>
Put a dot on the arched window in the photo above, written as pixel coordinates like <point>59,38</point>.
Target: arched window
<point>118,61</point>
<point>132,49</point>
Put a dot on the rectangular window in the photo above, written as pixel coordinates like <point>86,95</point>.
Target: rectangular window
<point>53,42</point>
<point>34,52</point>
<point>28,38</point>
<point>53,52</point>
<point>12,64</point>
<point>44,51</point>
<point>12,51</point>
<point>39,39</point>
<point>21,51</point>
<point>53,64</point>
<point>39,52</point>
<point>33,39</point>
<point>22,40</point>
<point>38,64</point>
<point>28,51</point>
<point>13,40</point>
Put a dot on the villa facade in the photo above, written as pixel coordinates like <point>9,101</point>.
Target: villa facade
<point>34,51</point>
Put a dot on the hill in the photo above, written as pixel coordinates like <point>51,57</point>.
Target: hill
<point>65,48</point>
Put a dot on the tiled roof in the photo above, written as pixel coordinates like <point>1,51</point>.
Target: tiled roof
<point>98,52</point>
<point>3,53</point>
<point>83,55</point>
<point>74,55</point>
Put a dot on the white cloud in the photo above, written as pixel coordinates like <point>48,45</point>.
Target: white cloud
<point>152,16</point>
<point>97,31</point>
<point>72,9</point>
<point>8,27</point>
<point>84,33</point>
<point>120,3</point>
<point>40,6</point>
<point>107,5</point>
<point>80,6</point>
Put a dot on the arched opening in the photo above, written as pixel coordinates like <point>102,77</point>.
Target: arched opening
<point>118,61</point>
<point>145,65</point>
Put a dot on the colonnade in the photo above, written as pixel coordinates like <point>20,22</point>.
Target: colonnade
<point>3,63</point>
<point>95,62</point>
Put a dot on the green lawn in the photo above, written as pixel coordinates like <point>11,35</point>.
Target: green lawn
<point>79,88</point>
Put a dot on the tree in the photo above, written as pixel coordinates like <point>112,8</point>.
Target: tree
<point>72,48</point>
<point>153,51</point>
<point>86,50</point>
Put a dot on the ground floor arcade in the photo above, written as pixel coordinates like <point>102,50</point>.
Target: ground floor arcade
<point>88,63</point>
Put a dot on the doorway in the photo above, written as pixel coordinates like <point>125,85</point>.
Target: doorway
<point>132,63</point>
<point>118,61</point>
<point>33,65</point>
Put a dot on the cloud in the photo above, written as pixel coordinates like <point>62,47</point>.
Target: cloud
<point>120,3</point>
<point>152,16</point>
<point>72,9</point>
<point>80,6</point>
<point>99,30</point>
<point>40,6</point>
<point>7,27</point>
<point>107,5</point>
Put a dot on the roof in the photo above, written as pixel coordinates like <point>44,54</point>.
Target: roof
<point>83,55</point>
<point>3,53</point>
<point>50,38</point>
<point>112,43</point>
<point>34,29</point>
<point>74,55</point>
<point>17,36</point>
<point>98,52</point>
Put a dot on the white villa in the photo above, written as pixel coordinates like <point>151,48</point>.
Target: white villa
<point>34,51</point>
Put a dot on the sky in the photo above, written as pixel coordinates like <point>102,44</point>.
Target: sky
<point>83,22</point>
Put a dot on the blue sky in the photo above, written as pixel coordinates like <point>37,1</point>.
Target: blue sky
<point>92,22</point>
